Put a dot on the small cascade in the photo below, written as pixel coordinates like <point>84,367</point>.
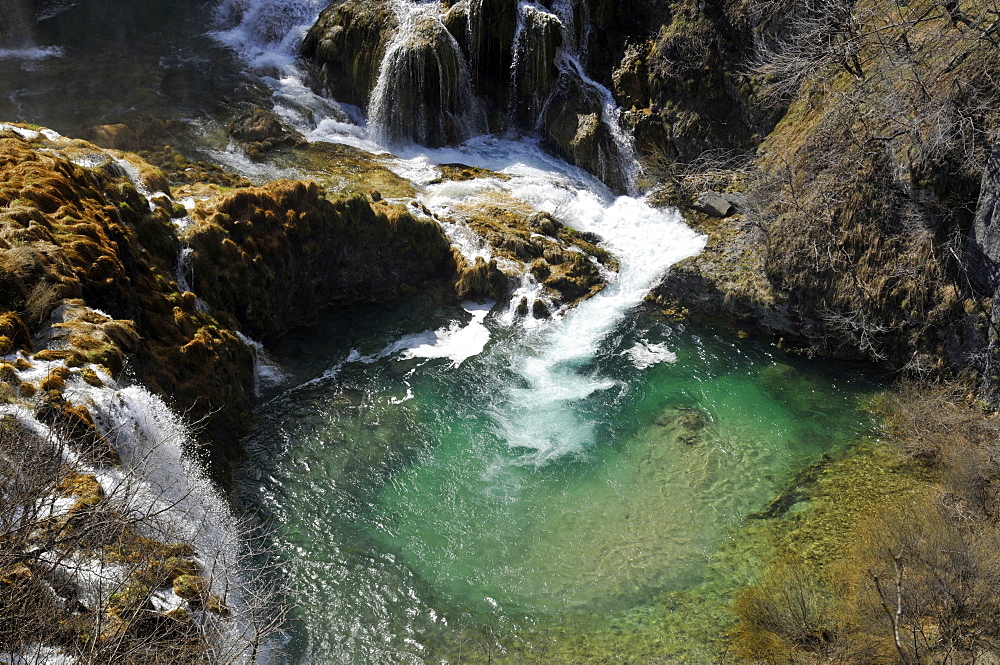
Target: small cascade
<point>156,488</point>
<point>268,33</point>
<point>266,373</point>
<point>533,72</point>
<point>575,17</point>
<point>623,161</point>
<point>17,27</point>
<point>450,71</point>
<point>423,93</point>
<point>185,269</point>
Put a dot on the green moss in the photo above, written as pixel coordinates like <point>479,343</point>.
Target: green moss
<point>191,587</point>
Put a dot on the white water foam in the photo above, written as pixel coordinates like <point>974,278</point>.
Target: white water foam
<point>31,53</point>
<point>646,354</point>
<point>267,373</point>
<point>456,342</point>
<point>539,417</point>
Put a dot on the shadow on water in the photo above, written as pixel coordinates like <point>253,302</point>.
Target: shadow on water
<point>110,61</point>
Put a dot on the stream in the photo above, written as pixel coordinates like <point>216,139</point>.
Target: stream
<point>465,483</point>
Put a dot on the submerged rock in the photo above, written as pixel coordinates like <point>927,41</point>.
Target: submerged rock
<point>260,130</point>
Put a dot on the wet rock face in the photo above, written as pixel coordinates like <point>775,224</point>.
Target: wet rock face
<point>423,93</point>
<point>492,25</point>
<point>481,280</point>
<point>347,44</point>
<point>574,128</point>
<point>273,256</point>
<point>533,78</point>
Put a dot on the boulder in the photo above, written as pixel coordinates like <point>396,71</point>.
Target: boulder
<point>482,280</point>
<point>574,128</point>
<point>261,130</point>
<point>545,224</point>
<point>714,204</point>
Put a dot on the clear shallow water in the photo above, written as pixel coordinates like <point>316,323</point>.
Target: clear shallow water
<point>407,519</point>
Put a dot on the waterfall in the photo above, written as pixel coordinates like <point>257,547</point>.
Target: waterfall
<point>423,93</point>
<point>624,161</point>
<point>533,72</point>
<point>157,488</point>
<point>266,373</point>
<point>17,29</point>
<point>575,17</point>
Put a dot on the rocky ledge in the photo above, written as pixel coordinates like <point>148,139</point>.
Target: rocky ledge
<point>98,260</point>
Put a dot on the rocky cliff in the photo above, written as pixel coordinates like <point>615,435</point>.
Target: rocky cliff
<point>858,204</point>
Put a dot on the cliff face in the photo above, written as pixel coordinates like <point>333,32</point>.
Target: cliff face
<point>273,256</point>
<point>984,264</point>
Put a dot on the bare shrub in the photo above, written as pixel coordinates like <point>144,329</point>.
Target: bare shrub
<point>925,587</point>
<point>786,610</point>
<point>112,576</point>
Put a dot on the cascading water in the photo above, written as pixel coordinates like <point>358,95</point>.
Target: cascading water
<point>441,476</point>
<point>623,160</point>
<point>17,30</point>
<point>158,490</point>
<point>533,72</point>
<point>423,92</point>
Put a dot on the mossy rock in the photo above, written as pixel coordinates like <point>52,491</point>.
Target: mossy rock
<point>194,588</point>
<point>76,424</point>
<point>56,378</point>
<point>81,485</point>
<point>9,375</point>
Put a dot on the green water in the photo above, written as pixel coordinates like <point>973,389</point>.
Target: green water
<point>412,532</point>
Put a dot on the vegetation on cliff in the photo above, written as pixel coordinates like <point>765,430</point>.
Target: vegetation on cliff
<point>860,199</point>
